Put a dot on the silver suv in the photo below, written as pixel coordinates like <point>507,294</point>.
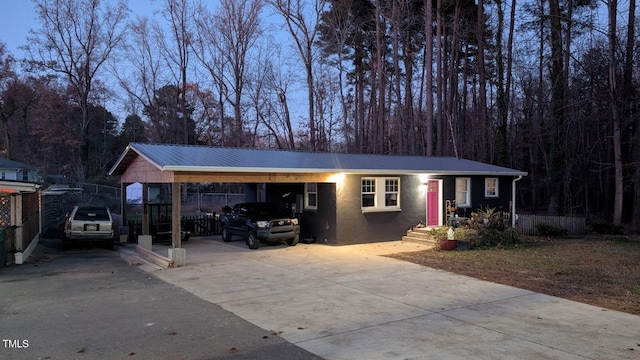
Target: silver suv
<point>89,223</point>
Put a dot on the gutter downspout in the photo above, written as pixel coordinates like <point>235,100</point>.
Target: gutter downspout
<point>513,201</point>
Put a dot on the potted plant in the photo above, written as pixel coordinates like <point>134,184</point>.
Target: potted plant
<point>464,237</point>
<point>449,242</point>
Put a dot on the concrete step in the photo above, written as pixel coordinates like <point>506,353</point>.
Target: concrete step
<point>422,234</point>
<point>419,240</point>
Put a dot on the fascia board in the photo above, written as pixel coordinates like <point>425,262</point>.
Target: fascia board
<point>317,170</point>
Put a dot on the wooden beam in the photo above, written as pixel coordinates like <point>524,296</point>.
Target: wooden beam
<point>140,170</point>
<point>238,177</point>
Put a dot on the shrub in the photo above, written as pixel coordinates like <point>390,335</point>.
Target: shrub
<point>467,234</point>
<point>545,229</point>
<point>607,228</point>
<point>438,232</point>
<point>492,237</point>
<point>482,237</point>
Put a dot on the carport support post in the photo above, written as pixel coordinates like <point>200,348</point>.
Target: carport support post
<point>145,209</point>
<point>177,253</point>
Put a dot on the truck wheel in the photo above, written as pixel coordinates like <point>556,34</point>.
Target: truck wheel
<point>226,235</point>
<point>252,240</point>
<point>294,241</point>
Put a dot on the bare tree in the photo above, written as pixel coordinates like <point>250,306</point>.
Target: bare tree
<point>302,20</point>
<point>146,76</point>
<point>207,50</point>
<point>7,108</point>
<point>335,34</point>
<point>428,64</point>
<point>75,39</point>
<point>481,145</point>
<point>612,7</point>
<point>178,14</point>
<point>238,24</point>
<point>629,94</point>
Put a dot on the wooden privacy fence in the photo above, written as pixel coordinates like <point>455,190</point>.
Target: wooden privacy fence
<point>574,225</point>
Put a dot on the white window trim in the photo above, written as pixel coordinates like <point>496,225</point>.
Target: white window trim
<point>486,187</point>
<point>306,197</point>
<point>467,200</point>
<point>380,192</point>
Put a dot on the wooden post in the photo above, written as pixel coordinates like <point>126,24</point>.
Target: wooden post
<point>175,216</point>
<point>123,204</point>
<point>145,210</point>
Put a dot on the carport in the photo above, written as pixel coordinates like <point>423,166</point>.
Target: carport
<point>171,164</point>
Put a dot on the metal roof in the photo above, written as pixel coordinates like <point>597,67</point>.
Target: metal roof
<point>168,157</point>
<point>12,164</point>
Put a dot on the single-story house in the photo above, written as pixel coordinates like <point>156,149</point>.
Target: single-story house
<point>15,170</point>
<point>340,198</point>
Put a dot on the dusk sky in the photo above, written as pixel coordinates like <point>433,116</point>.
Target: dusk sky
<point>20,16</point>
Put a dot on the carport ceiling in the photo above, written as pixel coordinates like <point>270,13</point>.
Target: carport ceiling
<point>158,163</point>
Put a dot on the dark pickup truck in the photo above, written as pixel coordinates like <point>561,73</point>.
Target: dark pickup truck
<point>259,222</point>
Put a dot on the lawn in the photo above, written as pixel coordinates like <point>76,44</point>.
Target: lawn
<point>599,270</point>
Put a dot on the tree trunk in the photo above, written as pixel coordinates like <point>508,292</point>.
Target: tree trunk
<point>556,167</point>
<point>482,91</point>
<point>612,6</point>
<point>501,140</point>
<point>629,96</point>
<point>428,63</point>
<point>439,80</point>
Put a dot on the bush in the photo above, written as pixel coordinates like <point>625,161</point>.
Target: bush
<point>545,229</point>
<point>607,228</point>
<point>439,232</point>
<point>487,236</point>
<point>466,234</point>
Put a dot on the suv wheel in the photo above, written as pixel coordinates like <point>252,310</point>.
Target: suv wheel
<point>252,240</point>
<point>226,235</point>
<point>294,241</point>
<point>108,244</point>
<point>66,243</point>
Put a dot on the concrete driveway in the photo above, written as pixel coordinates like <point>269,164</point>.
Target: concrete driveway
<point>348,302</point>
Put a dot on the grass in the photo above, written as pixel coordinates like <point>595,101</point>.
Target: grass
<point>597,270</point>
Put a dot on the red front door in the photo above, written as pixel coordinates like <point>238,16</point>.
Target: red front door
<point>432,202</point>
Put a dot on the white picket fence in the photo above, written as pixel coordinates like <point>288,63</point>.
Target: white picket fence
<point>574,225</point>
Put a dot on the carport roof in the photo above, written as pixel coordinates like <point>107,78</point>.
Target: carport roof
<point>166,157</point>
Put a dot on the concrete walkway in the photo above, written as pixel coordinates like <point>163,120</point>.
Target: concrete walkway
<point>348,302</point>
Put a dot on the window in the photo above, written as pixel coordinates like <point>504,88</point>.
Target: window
<point>380,194</point>
<point>491,187</point>
<point>368,193</point>
<point>311,196</point>
<point>391,192</point>
<point>463,192</point>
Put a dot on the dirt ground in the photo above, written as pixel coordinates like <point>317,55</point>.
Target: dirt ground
<point>599,270</point>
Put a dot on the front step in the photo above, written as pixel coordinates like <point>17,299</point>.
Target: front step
<point>419,236</point>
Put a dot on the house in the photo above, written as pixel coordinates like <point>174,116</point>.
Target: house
<point>14,170</point>
<point>340,198</point>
